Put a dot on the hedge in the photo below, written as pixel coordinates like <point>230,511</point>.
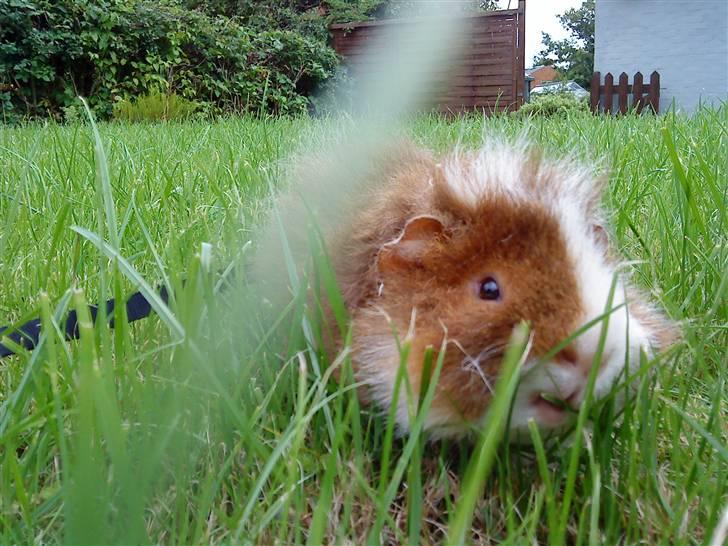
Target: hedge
<point>269,60</point>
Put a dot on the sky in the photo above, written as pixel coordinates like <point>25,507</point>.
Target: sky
<point>541,17</point>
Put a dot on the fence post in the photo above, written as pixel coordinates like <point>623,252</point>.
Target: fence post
<point>594,90</point>
<point>622,92</point>
<point>608,92</point>
<point>655,92</point>
<point>637,92</point>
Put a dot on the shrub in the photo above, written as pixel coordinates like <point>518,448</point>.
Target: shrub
<point>155,106</point>
<point>51,51</point>
<point>553,104</point>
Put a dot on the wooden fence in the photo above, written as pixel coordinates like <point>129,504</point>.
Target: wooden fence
<point>488,75</point>
<point>638,95</point>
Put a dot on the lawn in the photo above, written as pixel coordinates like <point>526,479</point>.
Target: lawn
<point>205,425</point>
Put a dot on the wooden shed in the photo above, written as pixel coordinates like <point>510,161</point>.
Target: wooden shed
<point>489,74</point>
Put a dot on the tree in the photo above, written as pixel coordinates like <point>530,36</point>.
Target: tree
<point>573,56</point>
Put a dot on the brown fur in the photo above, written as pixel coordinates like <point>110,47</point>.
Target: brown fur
<point>520,245</point>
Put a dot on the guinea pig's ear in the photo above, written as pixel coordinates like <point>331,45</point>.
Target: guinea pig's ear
<point>406,251</point>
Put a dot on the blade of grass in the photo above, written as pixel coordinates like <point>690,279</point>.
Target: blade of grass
<point>150,294</point>
<point>103,180</point>
<point>558,535</point>
<point>481,463</point>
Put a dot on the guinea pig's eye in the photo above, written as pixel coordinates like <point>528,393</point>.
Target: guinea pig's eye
<point>489,289</point>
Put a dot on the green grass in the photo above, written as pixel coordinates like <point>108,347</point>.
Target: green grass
<point>201,425</point>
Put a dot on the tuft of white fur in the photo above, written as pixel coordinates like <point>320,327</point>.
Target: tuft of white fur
<point>513,170</point>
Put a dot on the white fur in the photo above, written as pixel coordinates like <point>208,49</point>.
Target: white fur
<point>377,360</point>
<point>492,172</point>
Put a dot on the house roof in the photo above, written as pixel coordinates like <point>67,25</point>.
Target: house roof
<point>531,71</point>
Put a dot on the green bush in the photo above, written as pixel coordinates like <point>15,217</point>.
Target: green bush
<point>51,51</point>
<point>155,106</point>
<point>553,104</point>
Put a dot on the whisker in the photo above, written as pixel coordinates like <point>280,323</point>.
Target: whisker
<point>474,363</point>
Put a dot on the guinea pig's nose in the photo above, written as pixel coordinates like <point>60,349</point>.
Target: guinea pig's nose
<point>579,359</point>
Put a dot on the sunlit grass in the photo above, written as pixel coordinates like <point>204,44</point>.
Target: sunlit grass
<point>204,425</point>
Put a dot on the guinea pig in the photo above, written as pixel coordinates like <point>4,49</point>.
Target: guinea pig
<point>465,247</point>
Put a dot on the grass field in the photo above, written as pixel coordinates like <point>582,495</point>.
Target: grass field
<point>194,427</point>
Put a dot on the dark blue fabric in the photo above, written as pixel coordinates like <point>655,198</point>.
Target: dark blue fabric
<point>27,335</point>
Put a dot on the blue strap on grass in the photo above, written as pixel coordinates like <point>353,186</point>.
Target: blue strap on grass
<point>28,334</point>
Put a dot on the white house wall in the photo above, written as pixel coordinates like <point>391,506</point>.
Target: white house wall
<point>686,41</point>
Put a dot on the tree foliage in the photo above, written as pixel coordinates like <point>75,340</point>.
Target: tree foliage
<point>301,15</point>
<point>574,55</point>
<point>396,8</point>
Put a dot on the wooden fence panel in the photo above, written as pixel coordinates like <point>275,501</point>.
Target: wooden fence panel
<point>654,92</point>
<point>594,89</point>
<point>622,92</point>
<point>608,92</point>
<point>489,74</point>
<point>629,96</point>
<point>637,92</point>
